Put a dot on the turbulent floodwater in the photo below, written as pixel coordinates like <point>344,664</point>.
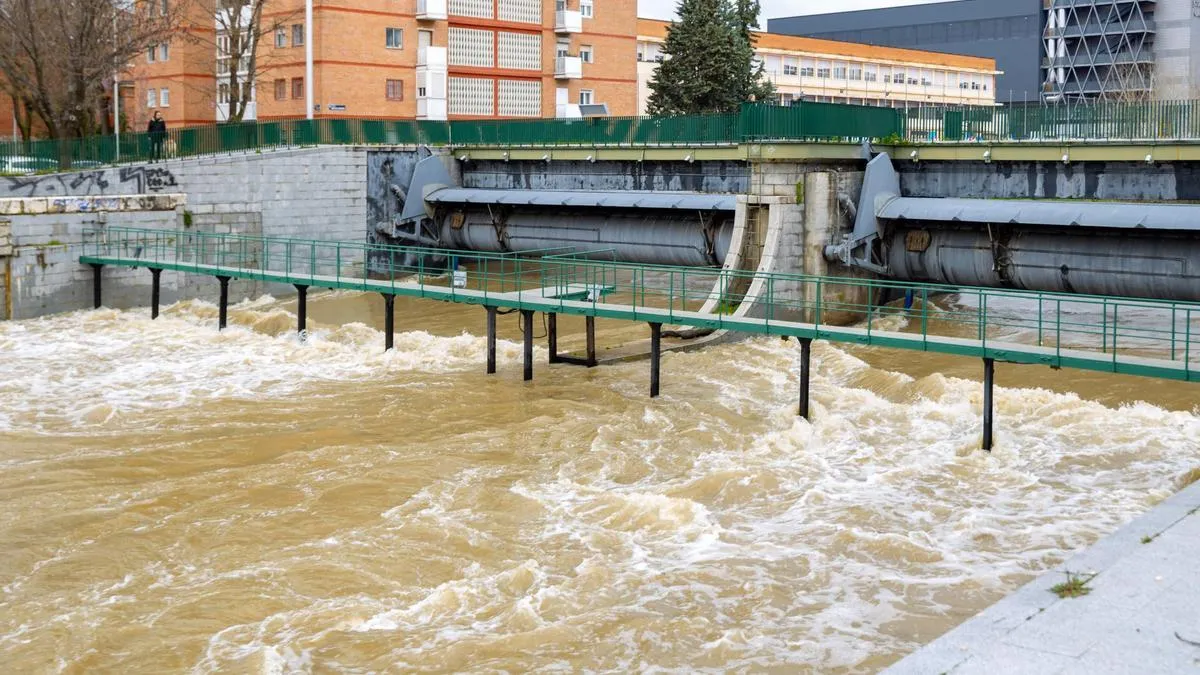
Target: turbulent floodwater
<point>175,499</point>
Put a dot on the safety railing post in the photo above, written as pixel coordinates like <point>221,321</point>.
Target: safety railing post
<point>1115,330</point>
<point>1039,319</point>
<point>1104,327</point>
<point>925,315</point>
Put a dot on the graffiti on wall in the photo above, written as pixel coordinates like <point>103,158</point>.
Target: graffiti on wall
<point>125,181</point>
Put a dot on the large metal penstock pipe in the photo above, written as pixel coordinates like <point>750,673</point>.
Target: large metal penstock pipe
<point>676,238</point>
<point>1093,261</point>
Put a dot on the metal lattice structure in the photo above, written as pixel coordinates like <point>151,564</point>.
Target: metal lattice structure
<point>1099,49</point>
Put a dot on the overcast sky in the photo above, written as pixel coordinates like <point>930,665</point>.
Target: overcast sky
<point>664,9</point>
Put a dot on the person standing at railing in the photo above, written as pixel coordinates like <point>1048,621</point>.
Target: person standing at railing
<point>157,131</point>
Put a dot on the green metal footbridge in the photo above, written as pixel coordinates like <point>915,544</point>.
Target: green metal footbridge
<point>1113,335</point>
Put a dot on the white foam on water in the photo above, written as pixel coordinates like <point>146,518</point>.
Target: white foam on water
<point>709,530</point>
<point>88,369</point>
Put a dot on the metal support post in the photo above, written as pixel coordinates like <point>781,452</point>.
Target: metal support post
<point>591,342</point>
<point>223,315</point>
<point>302,310</point>
<point>389,321</point>
<point>989,368</point>
<point>96,295</point>
<point>655,357</point>
<point>805,374</point>
<point>552,335</point>
<point>491,340</point>
<point>155,292</point>
<point>527,328</point>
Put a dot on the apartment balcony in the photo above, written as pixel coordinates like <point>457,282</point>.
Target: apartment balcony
<point>431,108</point>
<point>431,10</point>
<point>433,58</point>
<point>568,21</point>
<point>568,68</point>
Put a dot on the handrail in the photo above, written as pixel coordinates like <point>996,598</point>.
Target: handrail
<point>1139,336</point>
<point>803,121</point>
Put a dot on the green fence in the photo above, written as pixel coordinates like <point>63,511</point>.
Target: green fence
<point>803,121</point>
<point>1099,121</point>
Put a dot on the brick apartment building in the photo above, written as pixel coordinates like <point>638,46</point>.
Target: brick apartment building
<point>425,59</point>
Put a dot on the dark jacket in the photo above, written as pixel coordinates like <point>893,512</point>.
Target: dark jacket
<point>157,129</point>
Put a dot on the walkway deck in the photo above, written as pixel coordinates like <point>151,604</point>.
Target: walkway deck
<point>1117,335</point>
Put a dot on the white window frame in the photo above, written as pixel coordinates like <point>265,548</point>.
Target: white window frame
<point>164,98</point>
<point>152,54</point>
<point>164,51</point>
<point>586,54</point>
<point>394,32</point>
<point>586,93</point>
<point>281,38</point>
<point>297,35</point>
<point>151,98</point>
<point>585,9</point>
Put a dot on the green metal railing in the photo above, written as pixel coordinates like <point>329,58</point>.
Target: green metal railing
<point>1107,121</point>
<point>1122,335</point>
<point>801,122</point>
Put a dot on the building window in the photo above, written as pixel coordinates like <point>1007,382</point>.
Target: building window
<point>280,37</point>
<point>151,98</point>
<point>585,8</point>
<point>839,71</point>
<point>164,98</point>
<point>152,54</point>
<point>563,49</point>
<point>823,72</point>
<point>297,87</point>
<point>297,35</point>
<point>585,53</point>
<point>856,72</point>
<point>223,94</point>
<point>421,92</point>
<point>585,97</point>
<point>395,38</point>
<point>164,52</point>
<point>395,90</point>
<point>280,89</point>
<point>790,69</point>
<point>808,71</point>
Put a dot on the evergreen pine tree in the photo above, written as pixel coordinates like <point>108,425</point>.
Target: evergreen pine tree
<point>754,86</point>
<point>708,65</point>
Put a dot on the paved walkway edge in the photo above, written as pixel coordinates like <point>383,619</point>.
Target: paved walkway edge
<point>1032,630</point>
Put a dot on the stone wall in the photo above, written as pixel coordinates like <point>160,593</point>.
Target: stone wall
<point>41,240</point>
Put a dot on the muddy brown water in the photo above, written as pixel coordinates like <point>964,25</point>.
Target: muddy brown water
<point>175,499</point>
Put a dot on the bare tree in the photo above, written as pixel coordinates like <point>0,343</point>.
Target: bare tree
<point>241,28</point>
<point>57,56</point>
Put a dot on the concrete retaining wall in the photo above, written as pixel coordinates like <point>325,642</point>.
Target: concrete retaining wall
<point>1124,181</point>
<point>45,237</point>
<point>709,176</point>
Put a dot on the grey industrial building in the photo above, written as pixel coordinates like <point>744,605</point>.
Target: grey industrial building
<point>1053,50</point>
<point>1009,31</point>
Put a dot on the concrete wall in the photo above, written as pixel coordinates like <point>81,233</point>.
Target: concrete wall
<point>1125,181</point>
<point>712,176</point>
<point>328,193</point>
<point>46,236</point>
<point>305,193</point>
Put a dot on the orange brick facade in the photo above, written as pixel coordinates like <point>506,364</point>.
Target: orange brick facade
<point>357,74</point>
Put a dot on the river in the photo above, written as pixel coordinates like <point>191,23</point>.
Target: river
<point>181,500</point>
